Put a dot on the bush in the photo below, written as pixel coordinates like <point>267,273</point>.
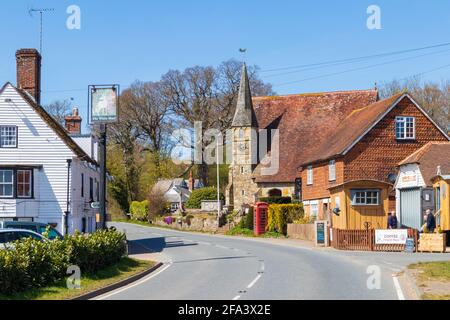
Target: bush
<point>33,264</point>
<point>305,220</point>
<point>248,224</point>
<point>276,200</point>
<point>139,210</point>
<point>198,195</point>
<point>280,215</point>
<point>238,231</point>
<point>159,204</point>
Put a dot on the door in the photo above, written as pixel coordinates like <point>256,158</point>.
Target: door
<point>410,208</point>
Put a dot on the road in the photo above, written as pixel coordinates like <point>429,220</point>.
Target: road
<point>201,266</point>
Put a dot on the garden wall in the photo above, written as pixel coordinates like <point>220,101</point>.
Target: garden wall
<point>301,231</point>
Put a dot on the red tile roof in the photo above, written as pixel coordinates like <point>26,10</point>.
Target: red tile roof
<point>355,124</point>
<point>429,157</point>
<point>304,121</point>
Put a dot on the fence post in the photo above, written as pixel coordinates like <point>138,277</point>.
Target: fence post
<point>371,239</point>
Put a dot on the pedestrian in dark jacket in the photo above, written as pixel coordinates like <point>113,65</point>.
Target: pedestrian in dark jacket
<point>431,221</point>
<point>392,221</point>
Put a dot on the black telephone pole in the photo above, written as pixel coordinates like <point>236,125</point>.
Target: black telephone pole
<point>102,191</point>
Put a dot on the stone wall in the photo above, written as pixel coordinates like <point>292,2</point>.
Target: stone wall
<point>195,224</point>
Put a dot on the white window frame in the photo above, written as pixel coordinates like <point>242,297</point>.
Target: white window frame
<point>12,185</point>
<point>405,121</point>
<point>314,209</point>
<point>332,170</point>
<point>359,197</point>
<point>2,137</point>
<point>310,176</point>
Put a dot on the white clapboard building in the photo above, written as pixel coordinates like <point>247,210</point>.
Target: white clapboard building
<point>48,173</point>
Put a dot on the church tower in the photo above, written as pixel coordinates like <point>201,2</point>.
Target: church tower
<point>242,189</point>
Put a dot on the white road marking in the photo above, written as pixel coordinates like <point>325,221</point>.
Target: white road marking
<point>236,298</point>
<point>262,266</point>
<point>398,288</point>
<point>254,281</point>
<point>145,279</point>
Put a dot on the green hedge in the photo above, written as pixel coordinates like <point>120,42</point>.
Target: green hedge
<point>198,195</point>
<point>32,264</point>
<point>280,215</point>
<point>276,200</point>
<point>139,210</point>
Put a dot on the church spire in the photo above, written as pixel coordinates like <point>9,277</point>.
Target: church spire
<point>244,115</point>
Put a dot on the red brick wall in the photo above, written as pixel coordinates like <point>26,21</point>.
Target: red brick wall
<point>376,155</point>
<point>321,183</point>
<point>29,72</point>
<point>379,152</point>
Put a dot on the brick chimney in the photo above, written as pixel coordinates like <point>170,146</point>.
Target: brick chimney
<point>29,72</point>
<point>191,183</point>
<point>73,122</point>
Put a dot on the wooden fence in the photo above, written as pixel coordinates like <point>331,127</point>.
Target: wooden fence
<point>301,231</point>
<point>364,240</point>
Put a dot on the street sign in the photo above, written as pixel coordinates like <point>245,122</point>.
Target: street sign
<point>104,103</point>
<point>95,205</point>
<point>396,236</point>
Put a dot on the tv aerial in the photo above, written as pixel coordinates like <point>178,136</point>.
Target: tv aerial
<point>41,12</point>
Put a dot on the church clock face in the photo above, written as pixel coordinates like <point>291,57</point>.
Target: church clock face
<point>242,147</point>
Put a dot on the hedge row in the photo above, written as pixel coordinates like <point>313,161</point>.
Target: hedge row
<point>32,264</point>
<point>198,195</point>
<point>139,210</point>
<point>280,215</point>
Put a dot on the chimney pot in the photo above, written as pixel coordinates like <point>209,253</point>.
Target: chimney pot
<point>28,64</point>
<point>73,122</point>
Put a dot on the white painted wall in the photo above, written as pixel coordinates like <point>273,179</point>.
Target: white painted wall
<point>40,147</point>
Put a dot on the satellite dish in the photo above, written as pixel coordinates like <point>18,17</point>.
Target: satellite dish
<point>392,177</point>
<point>337,211</point>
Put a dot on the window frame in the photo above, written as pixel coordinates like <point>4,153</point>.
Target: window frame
<point>310,176</point>
<point>332,173</point>
<point>16,137</point>
<point>15,185</point>
<point>404,121</point>
<point>31,196</point>
<point>354,196</point>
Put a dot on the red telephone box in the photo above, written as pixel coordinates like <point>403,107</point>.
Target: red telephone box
<point>260,218</point>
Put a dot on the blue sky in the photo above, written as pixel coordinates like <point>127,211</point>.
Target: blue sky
<point>121,41</point>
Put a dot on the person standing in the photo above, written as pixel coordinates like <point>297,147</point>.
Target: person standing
<point>392,221</point>
<point>431,221</point>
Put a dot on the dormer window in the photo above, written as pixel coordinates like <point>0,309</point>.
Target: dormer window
<point>405,128</point>
<point>8,137</point>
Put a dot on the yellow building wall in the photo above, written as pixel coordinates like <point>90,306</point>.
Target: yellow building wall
<point>355,217</point>
<point>445,202</point>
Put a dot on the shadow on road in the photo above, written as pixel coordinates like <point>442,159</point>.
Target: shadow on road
<point>218,258</point>
<point>152,245</point>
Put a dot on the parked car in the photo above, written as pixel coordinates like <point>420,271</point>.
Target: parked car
<point>7,236</point>
<point>37,227</point>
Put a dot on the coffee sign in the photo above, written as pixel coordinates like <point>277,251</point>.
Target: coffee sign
<point>391,236</point>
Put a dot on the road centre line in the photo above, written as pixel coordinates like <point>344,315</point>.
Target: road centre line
<point>254,281</point>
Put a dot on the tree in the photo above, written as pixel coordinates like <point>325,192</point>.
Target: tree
<point>432,96</point>
<point>208,95</point>
<point>59,109</point>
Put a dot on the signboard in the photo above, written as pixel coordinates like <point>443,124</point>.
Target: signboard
<point>104,104</point>
<point>410,245</point>
<point>95,205</point>
<point>391,236</point>
<point>409,180</point>
<point>321,233</point>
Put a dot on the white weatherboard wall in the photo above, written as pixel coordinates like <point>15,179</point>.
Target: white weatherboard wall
<point>40,147</point>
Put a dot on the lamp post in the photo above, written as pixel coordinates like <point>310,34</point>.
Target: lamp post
<point>218,184</point>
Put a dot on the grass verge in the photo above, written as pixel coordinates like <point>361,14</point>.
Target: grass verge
<point>433,278</point>
<point>124,269</point>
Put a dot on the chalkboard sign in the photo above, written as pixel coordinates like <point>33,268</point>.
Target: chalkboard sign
<point>410,245</point>
<point>321,233</point>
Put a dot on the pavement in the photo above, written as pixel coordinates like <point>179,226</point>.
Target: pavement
<point>214,267</point>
